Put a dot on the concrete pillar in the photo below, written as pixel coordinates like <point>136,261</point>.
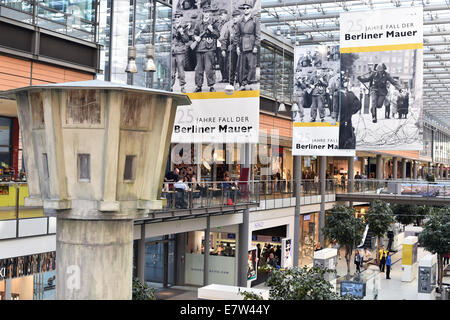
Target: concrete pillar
<point>415,170</point>
<point>244,229</point>
<point>8,289</point>
<point>322,177</point>
<point>380,170</point>
<point>89,254</point>
<point>351,174</point>
<point>180,250</point>
<point>441,172</point>
<point>363,162</point>
<point>206,253</point>
<point>297,184</point>
<point>394,168</point>
<point>140,266</point>
<point>403,168</point>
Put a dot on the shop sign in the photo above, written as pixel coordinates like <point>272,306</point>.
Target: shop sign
<point>27,265</point>
<point>220,112</point>
<point>382,69</point>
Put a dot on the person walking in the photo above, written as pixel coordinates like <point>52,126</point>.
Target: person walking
<point>378,91</point>
<point>382,254</point>
<point>358,260</point>
<point>388,265</point>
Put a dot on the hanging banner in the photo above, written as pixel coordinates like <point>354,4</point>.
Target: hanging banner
<point>316,93</point>
<point>215,47</point>
<point>286,249</point>
<point>382,68</point>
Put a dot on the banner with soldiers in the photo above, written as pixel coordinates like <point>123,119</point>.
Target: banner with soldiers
<point>215,50</point>
<point>316,95</point>
<point>382,71</point>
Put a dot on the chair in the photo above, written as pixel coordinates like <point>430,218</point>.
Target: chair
<point>180,203</point>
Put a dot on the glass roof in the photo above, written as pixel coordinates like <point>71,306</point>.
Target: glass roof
<point>317,21</point>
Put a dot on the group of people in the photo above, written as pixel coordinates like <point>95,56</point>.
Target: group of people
<point>215,39</point>
<point>270,255</point>
<point>384,257</point>
<point>316,89</point>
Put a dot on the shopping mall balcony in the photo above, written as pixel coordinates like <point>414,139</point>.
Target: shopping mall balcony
<point>418,192</point>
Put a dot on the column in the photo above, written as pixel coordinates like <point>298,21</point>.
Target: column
<point>206,253</point>
<point>394,168</point>
<point>244,229</point>
<point>403,168</point>
<point>322,177</point>
<point>140,261</point>
<point>89,254</point>
<point>441,172</point>
<point>351,174</point>
<point>8,289</point>
<point>297,184</point>
<point>415,170</point>
<point>379,175</point>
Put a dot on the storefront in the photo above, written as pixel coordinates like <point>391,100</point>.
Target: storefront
<point>29,277</point>
<point>222,260</point>
<point>309,237</point>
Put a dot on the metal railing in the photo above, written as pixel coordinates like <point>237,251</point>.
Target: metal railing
<point>209,194</point>
<point>17,221</point>
<point>402,188</point>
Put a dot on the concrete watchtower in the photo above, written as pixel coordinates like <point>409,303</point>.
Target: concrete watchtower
<point>95,154</point>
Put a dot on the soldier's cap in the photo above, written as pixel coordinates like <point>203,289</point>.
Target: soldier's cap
<point>194,16</point>
<point>222,11</point>
<point>246,3</point>
<point>236,12</point>
<point>178,14</point>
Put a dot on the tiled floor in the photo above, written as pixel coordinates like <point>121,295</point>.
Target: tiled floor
<point>392,289</point>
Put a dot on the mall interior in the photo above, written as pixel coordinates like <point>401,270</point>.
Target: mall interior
<point>46,41</point>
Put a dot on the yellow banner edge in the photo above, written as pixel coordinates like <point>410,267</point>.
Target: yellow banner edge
<point>409,46</point>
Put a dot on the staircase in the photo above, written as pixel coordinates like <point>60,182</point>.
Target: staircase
<point>367,240</point>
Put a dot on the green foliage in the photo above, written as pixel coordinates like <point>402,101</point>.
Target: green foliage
<point>141,291</point>
<point>421,212</point>
<point>435,236</point>
<point>379,217</point>
<point>299,284</point>
<point>342,226</point>
<point>404,213</point>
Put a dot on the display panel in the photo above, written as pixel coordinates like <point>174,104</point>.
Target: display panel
<point>215,47</point>
<point>382,66</point>
<point>316,95</point>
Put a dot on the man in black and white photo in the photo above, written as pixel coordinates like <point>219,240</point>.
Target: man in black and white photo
<point>179,44</point>
<point>228,45</point>
<point>222,60</point>
<point>318,88</point>
<point>378,91</point>
<point>350,105</point>
<point>205,36</point>
<point>247,42</point>
<point>299,97</point>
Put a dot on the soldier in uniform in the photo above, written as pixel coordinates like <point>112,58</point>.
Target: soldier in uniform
<point>350,105</point>
<point>191,24</point>
<point>299,97</point>
<point>247,41</point>
<point>333,86</point>
<point>179,41</point>
<point>378,90</point>
<point>222,60</point>
<point>186,4</point>
<point>318,90</point>
<point>205,36</point>
<point>228,45</point>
